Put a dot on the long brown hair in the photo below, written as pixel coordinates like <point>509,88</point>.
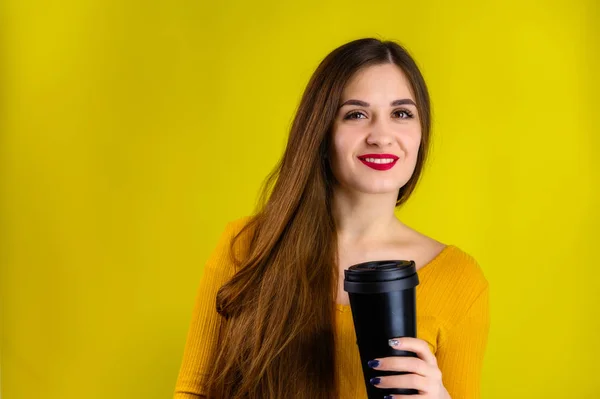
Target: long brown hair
<point>277,335</point>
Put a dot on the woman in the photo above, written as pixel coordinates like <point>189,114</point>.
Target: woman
<point>272,319</point>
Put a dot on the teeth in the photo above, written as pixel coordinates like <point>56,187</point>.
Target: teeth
<point>378,160</point>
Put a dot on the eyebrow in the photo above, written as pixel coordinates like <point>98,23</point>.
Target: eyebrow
<point>366,104</point>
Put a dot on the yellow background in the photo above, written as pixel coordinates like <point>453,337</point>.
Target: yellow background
<point>132,131</point>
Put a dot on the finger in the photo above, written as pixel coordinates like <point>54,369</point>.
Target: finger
<point>406,381</point>
<point>402,363</point>
<point>416,345</point>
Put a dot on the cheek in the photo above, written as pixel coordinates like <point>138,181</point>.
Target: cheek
<point>341,145</point>
<point>415,143</point>
<point>411,140</point>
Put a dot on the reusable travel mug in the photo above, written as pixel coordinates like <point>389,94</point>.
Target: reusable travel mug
<point>383,303</point>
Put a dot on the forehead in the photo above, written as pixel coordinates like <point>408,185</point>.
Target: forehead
<point>385,80</point>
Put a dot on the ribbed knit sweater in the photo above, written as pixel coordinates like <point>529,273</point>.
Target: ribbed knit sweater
<point>452,317</point>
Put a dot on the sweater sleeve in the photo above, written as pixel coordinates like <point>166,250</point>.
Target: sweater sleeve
<point>461,353</point>
<point>203,330</point>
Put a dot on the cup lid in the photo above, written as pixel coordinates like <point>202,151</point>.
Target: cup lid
<point>380,276</point>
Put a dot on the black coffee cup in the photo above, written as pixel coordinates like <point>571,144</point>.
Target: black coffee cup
<point>383,302</point>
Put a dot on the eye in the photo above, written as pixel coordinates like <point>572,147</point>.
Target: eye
<point>407,113</point>
<point>351,115</point>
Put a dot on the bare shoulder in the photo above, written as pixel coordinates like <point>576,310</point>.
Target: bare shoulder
<point>424,248</point>
<point>457,272</point>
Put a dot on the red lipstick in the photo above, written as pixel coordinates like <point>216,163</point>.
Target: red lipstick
<point>379,166</point>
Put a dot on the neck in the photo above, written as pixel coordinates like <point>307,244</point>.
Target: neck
<point>363,218</point>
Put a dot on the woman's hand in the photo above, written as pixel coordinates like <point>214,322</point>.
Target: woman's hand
<point>426,377</point>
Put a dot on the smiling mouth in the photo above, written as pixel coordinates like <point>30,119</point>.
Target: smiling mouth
<point>379,164</point>
<point>378,160</point>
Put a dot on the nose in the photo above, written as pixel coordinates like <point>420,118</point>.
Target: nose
<point>380,134</point>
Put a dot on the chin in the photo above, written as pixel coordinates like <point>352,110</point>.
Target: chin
<point>374,185</point>
<point>379,188</point>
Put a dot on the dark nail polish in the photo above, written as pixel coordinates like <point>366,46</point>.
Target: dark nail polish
<point>375,380</point>
<point>373,363</point>
<point>388,397</point>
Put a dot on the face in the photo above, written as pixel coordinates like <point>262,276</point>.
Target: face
<point>376,133</point>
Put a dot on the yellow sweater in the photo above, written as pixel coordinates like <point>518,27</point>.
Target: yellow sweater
<point>452,317</point>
